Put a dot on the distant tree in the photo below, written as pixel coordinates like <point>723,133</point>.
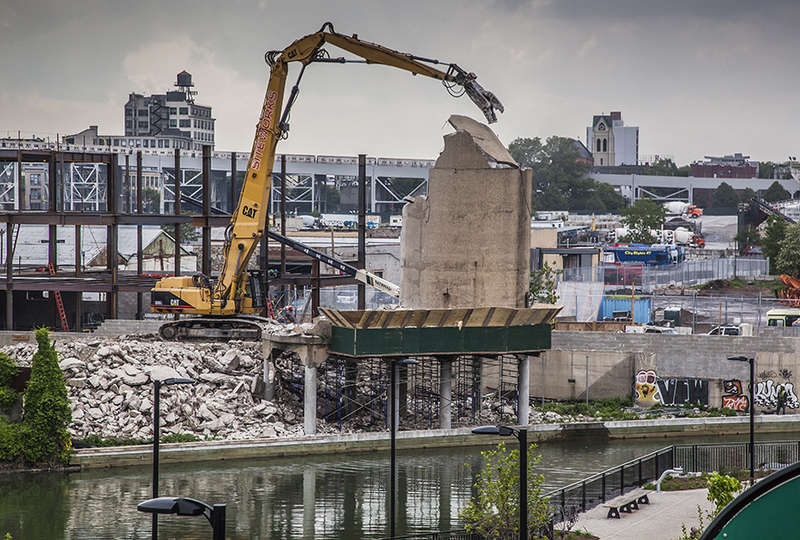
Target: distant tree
<point>150,200</point>
<point>686,170</point>
<point>333,197</point>
<point>188,232</point>
<point>789,255</point>
<point>560,181</point>
<point>766,169</point>
<point>776,193</point>
<point>724,197</point>
<point>748,236</point>
<point>642,217</point>
<point>774,232</point>
<point>746,195</point>
<point>614,202</point>
<point>544,285</point>
<point>662,167</point>
<point>526,152</point>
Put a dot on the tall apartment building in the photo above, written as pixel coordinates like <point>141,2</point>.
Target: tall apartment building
<point>172,113</point>
<point>169,120</point>
<point>611,141</point>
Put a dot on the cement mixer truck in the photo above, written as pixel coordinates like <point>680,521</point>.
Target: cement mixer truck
<point>678,208</point>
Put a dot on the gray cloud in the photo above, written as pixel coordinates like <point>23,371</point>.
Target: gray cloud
<point>697,77</point>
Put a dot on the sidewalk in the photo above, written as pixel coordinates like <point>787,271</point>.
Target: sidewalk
<point>661,519</point>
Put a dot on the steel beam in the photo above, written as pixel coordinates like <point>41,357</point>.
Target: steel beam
<point>206,266</point>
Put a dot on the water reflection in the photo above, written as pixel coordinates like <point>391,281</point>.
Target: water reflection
<point>332,497</point>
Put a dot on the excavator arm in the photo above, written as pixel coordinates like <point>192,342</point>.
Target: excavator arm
<point>248,222</point>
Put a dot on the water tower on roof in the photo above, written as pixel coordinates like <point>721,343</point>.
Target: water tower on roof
<point>185,85</point>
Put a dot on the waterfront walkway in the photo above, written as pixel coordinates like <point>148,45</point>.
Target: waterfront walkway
<point>660,520</point>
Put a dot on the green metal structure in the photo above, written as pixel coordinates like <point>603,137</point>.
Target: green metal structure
<point>441,332</point>
<point>766,510</point>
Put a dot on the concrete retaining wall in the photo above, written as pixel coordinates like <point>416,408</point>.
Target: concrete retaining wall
<point>95,458</point>
<point>616,358</point>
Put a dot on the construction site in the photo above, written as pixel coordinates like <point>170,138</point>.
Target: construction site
<point>428,310</point>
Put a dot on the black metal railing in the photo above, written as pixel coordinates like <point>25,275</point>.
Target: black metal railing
<point>733,457</point>
<point>585,494</point>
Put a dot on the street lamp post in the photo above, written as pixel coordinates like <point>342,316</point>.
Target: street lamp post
<point>156,428</point>
<point>750,360</point>
<point>393,366</point>
<point>183,506</point>
<point>522,436</point>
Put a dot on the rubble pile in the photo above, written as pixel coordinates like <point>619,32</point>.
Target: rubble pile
<point>110,387</point>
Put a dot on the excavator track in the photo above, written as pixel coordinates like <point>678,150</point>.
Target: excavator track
<point>214,329</point>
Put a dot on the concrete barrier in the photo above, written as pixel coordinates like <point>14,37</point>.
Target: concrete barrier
<point>126,456</point>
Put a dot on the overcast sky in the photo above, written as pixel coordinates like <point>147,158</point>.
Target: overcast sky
<point>718,78</point>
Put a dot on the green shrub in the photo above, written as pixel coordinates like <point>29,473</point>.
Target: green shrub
<point>8,397</point>
<point>41,437</point>
<point>179,438</point>
<point>494,514</point>
<point>722,489</point>
<point>10,442</point>
<point>8,370</point>
<point>609,408</point>
<point>94,441</point>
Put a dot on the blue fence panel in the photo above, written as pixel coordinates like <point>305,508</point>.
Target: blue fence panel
<point>642,308</point>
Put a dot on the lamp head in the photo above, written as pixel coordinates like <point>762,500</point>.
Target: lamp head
<point>174,505</point>
<point>502,431</point>
<point>739,358</point>
<point>177,380</point>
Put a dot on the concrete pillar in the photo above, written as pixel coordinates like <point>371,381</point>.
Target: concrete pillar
<point>350,382</point>
<point>445,479</point>
<point>269,389</point>
<point>445,392</point>
<point>309,501</point>
<point>310,400</point>
<point>477,385</point>
<point>402,389</point>
<point>396,393</point>
<point>523,389</point>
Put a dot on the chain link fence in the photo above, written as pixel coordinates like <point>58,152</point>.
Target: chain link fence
<point>687,273</point>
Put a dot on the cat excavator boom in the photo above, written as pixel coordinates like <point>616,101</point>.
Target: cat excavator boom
<point>222,302</point>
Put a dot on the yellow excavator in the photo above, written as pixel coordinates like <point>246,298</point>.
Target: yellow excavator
<point>227,307</point>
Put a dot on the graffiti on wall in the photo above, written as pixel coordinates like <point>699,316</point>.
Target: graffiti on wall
<point>767,394</point>
<point>646,389</point>
<point>650,389</point>
<point>733,397</point>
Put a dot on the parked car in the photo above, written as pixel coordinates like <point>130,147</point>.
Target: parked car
<point>724,331</point>
<point>659,330</point>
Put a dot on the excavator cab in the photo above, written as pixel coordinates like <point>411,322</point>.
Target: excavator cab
<point>255,290</point>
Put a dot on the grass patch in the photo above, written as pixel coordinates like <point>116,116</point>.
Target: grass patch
<point>96,441</point>
<point>739,283</point>
<point>611,409</point>
<point>575,535</point>
<point>680,483</point>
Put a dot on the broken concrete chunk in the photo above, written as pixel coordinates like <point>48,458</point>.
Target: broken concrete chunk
<point>136,380</point>
<point>71,363</point>
<point>484,138</point>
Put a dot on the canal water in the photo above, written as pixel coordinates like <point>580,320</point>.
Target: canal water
<point>323,497</point>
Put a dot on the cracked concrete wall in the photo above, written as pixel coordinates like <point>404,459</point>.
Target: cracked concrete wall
<point>466,244</point>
